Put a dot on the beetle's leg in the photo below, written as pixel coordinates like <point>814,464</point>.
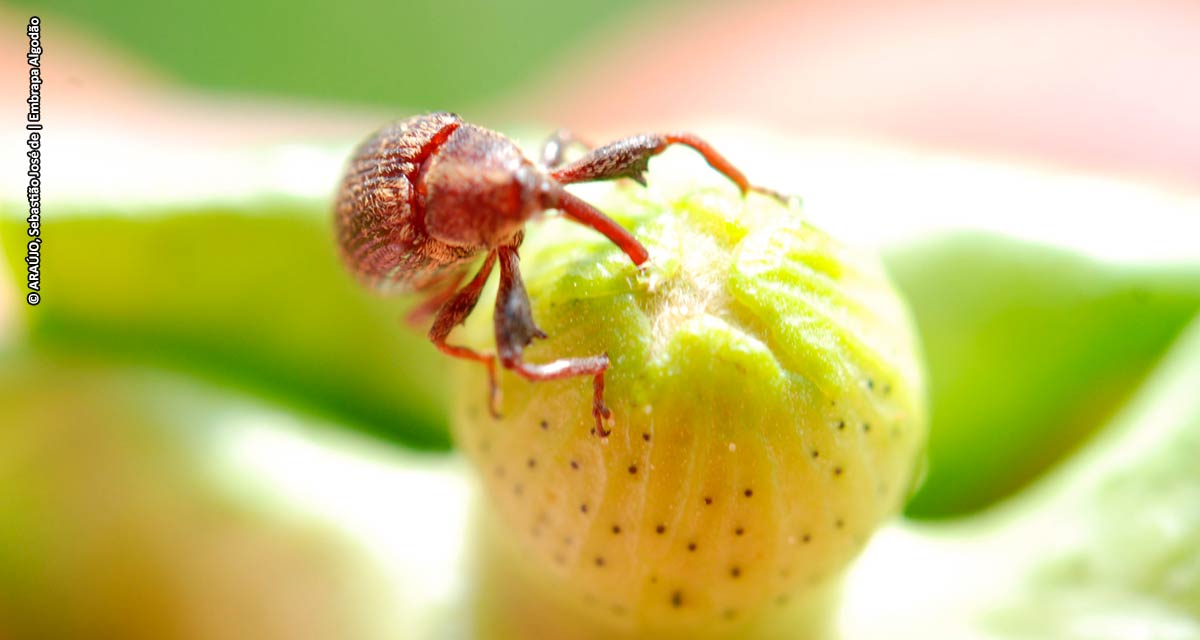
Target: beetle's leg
<point>629,157</point>
<point>420,314</point>
<point>515,329</point>
<point>453,313</point>
<point>554,149</point>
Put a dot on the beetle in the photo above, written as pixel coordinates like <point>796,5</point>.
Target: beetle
<point>423,198</point>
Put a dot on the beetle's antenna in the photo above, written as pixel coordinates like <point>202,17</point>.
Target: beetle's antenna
<point>590,216</point>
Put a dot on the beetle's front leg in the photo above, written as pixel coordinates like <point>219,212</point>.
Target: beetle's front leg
<point>452,313</point>
<point>515,329</point>
<point>629,157</point>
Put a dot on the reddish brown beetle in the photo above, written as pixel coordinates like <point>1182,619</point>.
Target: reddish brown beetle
<point>425,197</point>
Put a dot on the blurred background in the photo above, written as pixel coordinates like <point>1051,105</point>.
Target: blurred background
<point>210,431</point>
<point>1107,87</point>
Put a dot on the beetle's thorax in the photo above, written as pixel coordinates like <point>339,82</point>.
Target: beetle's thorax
<point>478,190</point>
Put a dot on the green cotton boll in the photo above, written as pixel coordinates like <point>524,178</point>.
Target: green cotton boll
<point>768,415</point>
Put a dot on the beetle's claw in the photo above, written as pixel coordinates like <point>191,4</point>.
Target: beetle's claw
<point>603,417</point>
<point>600,430</point>
<point>494,394</point>
<point>783,198</point>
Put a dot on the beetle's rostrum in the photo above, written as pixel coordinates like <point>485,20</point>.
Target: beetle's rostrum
<point>424,198</point>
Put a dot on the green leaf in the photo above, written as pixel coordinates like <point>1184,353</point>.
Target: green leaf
<point>1123,519</point>
<point>252,295</point>
<point>1030,349</point>
<point>1106,545</point>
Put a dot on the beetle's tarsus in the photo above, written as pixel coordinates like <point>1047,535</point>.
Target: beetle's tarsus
<point>783,198</point>
<point>494,393</point>
<point>600,411</point>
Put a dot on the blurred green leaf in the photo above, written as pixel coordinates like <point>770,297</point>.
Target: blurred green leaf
<point>1125,515</point>
<point>1105,546</point>
<point>252,295</point>
<point>1029,349</point>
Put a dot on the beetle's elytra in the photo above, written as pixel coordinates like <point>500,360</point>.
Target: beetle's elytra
<point>424,198</point>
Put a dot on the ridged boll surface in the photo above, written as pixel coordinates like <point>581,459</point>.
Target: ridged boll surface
<point>768,415</point>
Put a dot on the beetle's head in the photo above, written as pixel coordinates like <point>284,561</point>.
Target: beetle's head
<point>479,190</point>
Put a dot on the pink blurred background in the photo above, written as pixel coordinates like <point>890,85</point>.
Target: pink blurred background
<point>1110,87</point>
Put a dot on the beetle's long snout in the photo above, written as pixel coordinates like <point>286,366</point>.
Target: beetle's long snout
<point>590,216</point>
